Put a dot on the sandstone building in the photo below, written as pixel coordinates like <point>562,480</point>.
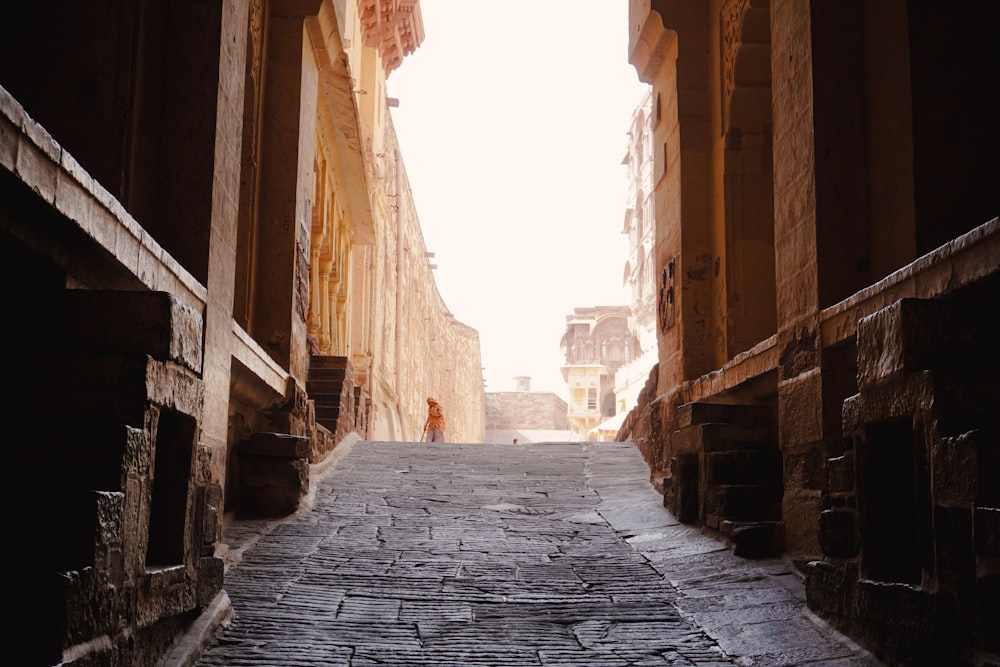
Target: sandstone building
<point>639,274</point>
<point>596,343</point>
<point>828,248</point>
<point>213,274</point>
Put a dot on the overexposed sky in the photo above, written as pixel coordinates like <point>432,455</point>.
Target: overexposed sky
<point>512,123</point>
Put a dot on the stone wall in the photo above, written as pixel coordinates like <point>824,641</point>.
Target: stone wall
<point>180,245</point>
<point>528,410</point>
<point>827,247</point>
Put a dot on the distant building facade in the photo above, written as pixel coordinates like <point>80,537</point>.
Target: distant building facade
<point>595,344</point>
<point>639,275</point>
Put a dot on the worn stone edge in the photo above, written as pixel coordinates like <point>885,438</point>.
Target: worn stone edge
<point>192,645</point>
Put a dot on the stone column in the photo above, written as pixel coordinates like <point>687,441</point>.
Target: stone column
<point>800,381</point>
<point>222,238</point>
<point>281,292</point>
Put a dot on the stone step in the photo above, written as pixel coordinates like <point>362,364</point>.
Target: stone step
<point>699,412</point>
<point>719,437</point>
<point>328,424</point>
<point>753,539</point>
<point>328,411</point>
<point>743,502</point>
<point>744,466</point>
<point>319,361</point>
<point>321,387</point>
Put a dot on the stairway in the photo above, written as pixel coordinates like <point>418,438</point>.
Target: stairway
<point>732,452</point>
<point>330,386</point>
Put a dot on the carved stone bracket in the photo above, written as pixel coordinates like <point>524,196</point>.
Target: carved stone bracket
<point>394,27</point>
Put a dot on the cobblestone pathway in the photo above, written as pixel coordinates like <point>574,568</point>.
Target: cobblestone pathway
<point>465,554</point>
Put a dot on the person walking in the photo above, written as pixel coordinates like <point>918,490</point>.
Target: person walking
<point>435,425</point>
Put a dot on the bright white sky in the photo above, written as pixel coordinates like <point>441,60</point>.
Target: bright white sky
<point>512,123</point>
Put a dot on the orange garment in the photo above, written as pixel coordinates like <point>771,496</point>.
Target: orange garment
<point>435,415</point>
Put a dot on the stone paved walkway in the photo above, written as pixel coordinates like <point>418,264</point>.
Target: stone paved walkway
<point>466,554</point>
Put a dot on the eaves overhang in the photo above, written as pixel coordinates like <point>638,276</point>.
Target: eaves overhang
<point>336,89</point>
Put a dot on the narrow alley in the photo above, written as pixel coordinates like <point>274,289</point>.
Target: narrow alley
<point>469,554</point>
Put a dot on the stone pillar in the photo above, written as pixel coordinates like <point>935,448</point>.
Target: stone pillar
<point>690,229</point>
<point>222,241</point>
<point>280,296</point>
<point>800,386</point>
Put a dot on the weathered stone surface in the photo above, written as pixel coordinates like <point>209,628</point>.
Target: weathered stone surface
<point>681,495</point>
<point>838,533</point>
<point>210,579</point>
<point>840,473</point>
<point>549,554</point>
<point>952,460</point>
<point>153,323</point>
<point>987,531</point>
<point>800,410</point>
<point>830,588</point>
<point>279,445</point>
<point>913,335</point>
<point>272,486</point>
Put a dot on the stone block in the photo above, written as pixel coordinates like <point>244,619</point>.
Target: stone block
<point>954,560</point>
<point>954,483</point>
<point>838,533</point>
<point>988,471</point>
<point>171,387</point>
<point>914,335</point>
<point>167,591</point>
<point>91,526</point>
<point>270,486</point>
<point>743,466</point>
<point>37,161</point>
<point>800,409</point>
<point>852,412</point>
<point>11,116</point>
<point>754,540</point>
<point>800,509</point>
<point>805,467</point>
<point>681,494</point>
<point>208,506</point>
<point>798,351</point>
<point>840,476</point>
<point>203,465</point>
<point>275,445</point>
<point>721,413</point>
<point>987,532</point>
<point>989,615</point>
<point>829,588</point>
<point>743,502</point>
<point>894,605</point>
<point>125,323</point>
<point>211,572</point>
<point>722,438</point>
<point>295,415</point>
<point>75,199</point>
<point>904,397</point>
<point>906,625</point>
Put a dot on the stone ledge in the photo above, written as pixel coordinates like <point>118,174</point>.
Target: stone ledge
<point>276,445</point>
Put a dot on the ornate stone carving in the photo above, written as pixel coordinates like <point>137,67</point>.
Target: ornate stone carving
<point>731,26</point>
<point>394,27</point>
